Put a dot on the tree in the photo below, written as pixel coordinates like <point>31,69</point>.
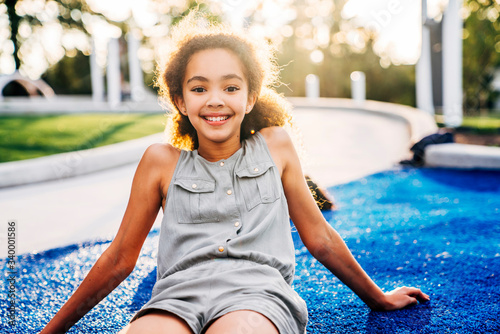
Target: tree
<point>481,55</point>
<point>14,28</point>
<point>67,10</point>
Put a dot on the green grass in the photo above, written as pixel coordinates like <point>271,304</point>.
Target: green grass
<point>482,123</point>
<point>478,125</point>
<point>30,136</point>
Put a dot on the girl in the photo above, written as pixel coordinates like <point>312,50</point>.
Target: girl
<point>228,184</point>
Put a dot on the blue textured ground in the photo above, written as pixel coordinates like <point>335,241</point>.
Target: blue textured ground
<point>435,229</point>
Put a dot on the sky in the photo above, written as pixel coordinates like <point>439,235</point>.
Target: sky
<point>397,23</point>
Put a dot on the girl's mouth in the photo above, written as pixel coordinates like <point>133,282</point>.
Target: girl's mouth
<point>216,118</point>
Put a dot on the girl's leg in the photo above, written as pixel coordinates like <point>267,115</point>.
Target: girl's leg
<point>157,322</point>
<point>242,322</point>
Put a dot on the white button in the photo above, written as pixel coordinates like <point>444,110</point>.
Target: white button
<point>229,192</point>
<point>237,224</point>
<point>222,163</point>
<point>255,169</point>
<point>221,249</point>
<point>194,186</point>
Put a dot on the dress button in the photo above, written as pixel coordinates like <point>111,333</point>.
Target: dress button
<point>229,192</point>
<point>222,163</point>
<point>256,169</point>
<point>237,224</point>
<point>194,186</point>
<point>221,249</point>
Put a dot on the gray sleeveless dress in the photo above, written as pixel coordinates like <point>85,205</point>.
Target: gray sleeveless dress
<point>225,242</point>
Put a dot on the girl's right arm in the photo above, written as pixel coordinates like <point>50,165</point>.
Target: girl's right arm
<point>324,243</point>
<point>118,260</point>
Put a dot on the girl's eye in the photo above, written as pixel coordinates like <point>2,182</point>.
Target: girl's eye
<point>232,89</point>
<point>198,89</point>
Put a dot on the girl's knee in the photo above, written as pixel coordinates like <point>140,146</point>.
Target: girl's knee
<point>158,322</point>
<point>243,322</point>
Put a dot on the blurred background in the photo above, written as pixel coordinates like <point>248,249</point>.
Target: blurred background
<point>50,48</point>
<point>53,40</point>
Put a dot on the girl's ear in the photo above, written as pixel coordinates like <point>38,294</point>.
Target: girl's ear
<point>252,98</point>
<point>179,102</point>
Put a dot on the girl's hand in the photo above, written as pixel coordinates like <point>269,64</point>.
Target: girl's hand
<point>402,297</point>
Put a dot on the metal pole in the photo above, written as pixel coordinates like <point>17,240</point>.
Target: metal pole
<point>452,64</point>
<point>423,68</point>
<point>113,74</point>
<point>136,76</point>
<point>312,86</point>
<point>96,76</point>
<point>358,86</point>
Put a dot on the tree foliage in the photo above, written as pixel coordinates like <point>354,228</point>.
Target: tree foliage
<point>71,75</point>
<point>481,53</point>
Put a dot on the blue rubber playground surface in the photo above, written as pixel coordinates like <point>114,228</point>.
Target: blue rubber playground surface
<point>435,229</point>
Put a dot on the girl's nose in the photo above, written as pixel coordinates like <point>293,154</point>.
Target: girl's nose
<point>215,101</point>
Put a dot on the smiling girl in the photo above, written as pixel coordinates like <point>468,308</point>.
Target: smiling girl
<point>227,183</point>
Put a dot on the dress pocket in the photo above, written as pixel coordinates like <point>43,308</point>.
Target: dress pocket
<point>258,183</point>
<point>195,201</point>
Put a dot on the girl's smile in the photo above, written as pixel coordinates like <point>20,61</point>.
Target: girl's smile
<point>216,119</point>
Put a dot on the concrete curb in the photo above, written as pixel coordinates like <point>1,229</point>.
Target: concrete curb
<point>420,123</point>
<point>63,165</point>
<point>73,104</point>
<point>462,156</point>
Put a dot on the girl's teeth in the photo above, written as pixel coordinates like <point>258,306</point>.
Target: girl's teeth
<point>216,119</point>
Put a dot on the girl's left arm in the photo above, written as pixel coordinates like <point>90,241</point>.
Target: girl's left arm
<point>323,242</point>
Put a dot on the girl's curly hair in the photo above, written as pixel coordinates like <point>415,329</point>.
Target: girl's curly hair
<point>194,34</point>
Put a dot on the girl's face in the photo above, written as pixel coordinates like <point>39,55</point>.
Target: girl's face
<point>215,96</point>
